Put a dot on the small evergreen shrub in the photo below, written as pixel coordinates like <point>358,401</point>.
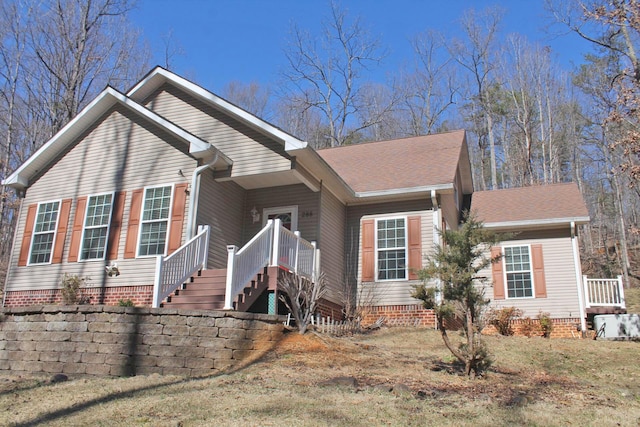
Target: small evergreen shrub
<point>126,303</point>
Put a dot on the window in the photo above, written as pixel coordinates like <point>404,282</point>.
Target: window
<point>155,221</point>
<point>391,249</point>
<point>44,233</point>
<point>517,262</point>
<point>96,227</point>
<point>288,215</point>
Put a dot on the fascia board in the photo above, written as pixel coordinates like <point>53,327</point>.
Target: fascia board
<point>441,188</point>
<point>538,222</point>
<point>152,81</point>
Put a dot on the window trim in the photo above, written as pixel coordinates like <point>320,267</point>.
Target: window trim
<point>293,210</point>
<point>406,248</point>
<point>505,272</point>
<point>34,233</point>
<point>84,227</point>
<point>142,221</point>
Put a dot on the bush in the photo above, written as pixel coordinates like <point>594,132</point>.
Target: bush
<point>126,303</point>
<point>529,327</point>
<point>502,319</point>
<point>71,285</point>
<point>546,325</point>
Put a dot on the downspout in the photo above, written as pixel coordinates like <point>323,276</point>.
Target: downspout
<point>194,196</point>
<point>578,270</point>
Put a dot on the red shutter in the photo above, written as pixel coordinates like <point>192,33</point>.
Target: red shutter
<point>134,223</point>
<point>496,272</point>
<point>61,234</point>
<point>368,250</point>
<point>415,247</point>
<point>539,281</point>
<point>177,217</point>
<point>116,225</point>
<point>26,236</point>
<point>76,231</point>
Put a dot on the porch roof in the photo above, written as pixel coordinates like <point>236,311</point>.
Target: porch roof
<point>552,204</point>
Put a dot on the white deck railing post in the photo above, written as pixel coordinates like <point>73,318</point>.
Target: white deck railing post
<point>228,295</point>
<point>314,262</point>
<point>297,251</point>
<point>587,299</point>
<point>621,292</point>
<point>276,243</point>
<point>157,283</point>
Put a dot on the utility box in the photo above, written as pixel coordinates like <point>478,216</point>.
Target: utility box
<point>617,326</point>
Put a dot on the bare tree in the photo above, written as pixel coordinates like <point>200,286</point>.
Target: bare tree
<point>251,97</point>
<point>477,55</point>
<point>78,47</point>
<point>325,74</point>
<point>430,90</point>
<point>301,296</point>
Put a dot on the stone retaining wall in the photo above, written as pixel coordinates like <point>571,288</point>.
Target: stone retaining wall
<point>121,341</point>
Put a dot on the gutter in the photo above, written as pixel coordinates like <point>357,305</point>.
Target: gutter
<point>194,196</point>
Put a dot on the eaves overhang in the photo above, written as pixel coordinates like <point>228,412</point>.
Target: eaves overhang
<point>537,223</point>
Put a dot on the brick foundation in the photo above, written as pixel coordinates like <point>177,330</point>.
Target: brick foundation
<point>416,315</point>
<point>400,315</point>
<point>562,328</point>
<point>330,309</point>
<point>140,295</point>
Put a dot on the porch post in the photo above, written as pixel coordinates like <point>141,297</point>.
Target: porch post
<point>623,304</point>
<point>295,257</point>
<point>587,298</point>
<point>578,271</point>
<point>314,262</point>
<point>228,295</point>
<point>276,243</point>
<point>157,283</point>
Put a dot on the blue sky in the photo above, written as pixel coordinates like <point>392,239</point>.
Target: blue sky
<point>243,40</point>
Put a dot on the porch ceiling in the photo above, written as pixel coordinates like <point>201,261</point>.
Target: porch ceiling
<point>274,179</point>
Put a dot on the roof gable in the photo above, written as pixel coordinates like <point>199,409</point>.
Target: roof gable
<point>159,76</point>
<point>109,97</point>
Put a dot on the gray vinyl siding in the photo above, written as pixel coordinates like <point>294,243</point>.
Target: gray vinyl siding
<point>560,276</point>
<point>121,152</point>
<point>251,151</point>
<point>331,244</point>
<point>307,201</point>
<point>385,292</point>
<point>221,205</point>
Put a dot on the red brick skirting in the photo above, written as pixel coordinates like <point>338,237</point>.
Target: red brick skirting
<point>416,315</point>
<point>139,295</point>
<point>400,315</point>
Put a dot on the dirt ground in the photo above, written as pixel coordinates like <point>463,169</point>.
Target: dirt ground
<point>394,376</point>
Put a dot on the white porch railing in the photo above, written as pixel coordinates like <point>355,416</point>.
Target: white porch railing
<point>273,246</point>
<point>603,292</point>
<point>173,270</point>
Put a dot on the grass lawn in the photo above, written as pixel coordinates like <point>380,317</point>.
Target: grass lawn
<point>534,381</point>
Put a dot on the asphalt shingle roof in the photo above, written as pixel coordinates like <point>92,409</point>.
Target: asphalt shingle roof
<point>420,161</point>
<point>542,202</point>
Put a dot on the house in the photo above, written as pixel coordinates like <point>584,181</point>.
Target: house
<point>196,203</point>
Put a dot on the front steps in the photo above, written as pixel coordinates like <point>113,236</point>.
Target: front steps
<point>206,291</point>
